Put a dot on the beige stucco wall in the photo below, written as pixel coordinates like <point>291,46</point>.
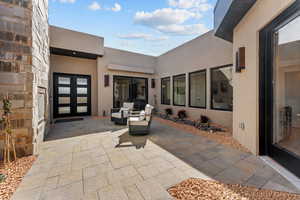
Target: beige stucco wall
<point>246,84</point>
<point>204,52</point>
<point>76,41</point>
<point>72,65</point>
<point>120,57</point>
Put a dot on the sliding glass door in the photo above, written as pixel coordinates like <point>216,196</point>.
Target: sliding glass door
<point>280,93</point>
<point>130,89</point>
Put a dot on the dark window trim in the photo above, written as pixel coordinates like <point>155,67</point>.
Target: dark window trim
<point>174,77</point>
<point>161,90</point>
<point>130,77</point>
<point>199,71</point>
<point>211,88</point>
<point>266,98</point>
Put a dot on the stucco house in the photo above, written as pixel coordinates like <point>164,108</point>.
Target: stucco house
<point>226,74</point>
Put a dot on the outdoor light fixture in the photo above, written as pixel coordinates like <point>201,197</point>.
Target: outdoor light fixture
<point>153,83</point>
<point>240,60</point>
<point>106,80</point>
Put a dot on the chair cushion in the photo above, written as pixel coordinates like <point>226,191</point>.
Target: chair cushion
<point>135,121</point>
<point>128,105</point>
<point>142,115</point>
<point>116,115</point>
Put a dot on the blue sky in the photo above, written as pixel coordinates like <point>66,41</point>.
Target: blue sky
<point>145,26</point>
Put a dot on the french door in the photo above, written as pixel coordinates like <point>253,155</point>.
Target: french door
<point>279,89</point>
<point>71,95</point>
<point>130,89</point>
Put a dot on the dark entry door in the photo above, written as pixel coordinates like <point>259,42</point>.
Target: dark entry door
<point>279,89</point>
<point>130,89</point>
<point>71,95</point>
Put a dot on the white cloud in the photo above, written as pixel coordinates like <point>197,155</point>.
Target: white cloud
<point>199,5</point>
<point>117,7</point>
<point>179,29</point>
<point>138,36</point>
<point>95,6</point>
<point>67,1</point>
<point>165,16</point>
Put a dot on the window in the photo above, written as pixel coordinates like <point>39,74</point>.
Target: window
<point>222,88</point>
<point>179,90</point>
<point>197,89</point>
<point>166,91</point>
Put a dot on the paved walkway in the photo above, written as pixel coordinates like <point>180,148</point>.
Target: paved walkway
<point>114,166</point>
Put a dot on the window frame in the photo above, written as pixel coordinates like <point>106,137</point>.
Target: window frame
<point>174,77</point>
<point>191,73</point>
<point>161,90</point>
<point>211,87</point>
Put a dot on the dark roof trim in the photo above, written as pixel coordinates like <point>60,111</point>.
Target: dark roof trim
<point>78,54</point>
<point>228,14</point>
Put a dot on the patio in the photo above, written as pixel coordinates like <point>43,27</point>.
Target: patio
<point>113,165</point>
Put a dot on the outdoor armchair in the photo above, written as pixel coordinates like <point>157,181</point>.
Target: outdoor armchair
<point>119,115</point>
<point>139,121</point>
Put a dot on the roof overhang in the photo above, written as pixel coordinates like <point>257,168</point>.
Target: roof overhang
<point>130,69</point>
<point>227,14</point>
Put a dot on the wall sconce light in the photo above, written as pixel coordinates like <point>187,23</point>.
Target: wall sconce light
<point>153,83</point>
<point>240,60</point>
<point>106,80</point>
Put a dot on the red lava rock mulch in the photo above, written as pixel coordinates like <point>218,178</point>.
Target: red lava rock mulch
<point>198,189</point>
<point>14,172</point>
<point>224,138</point>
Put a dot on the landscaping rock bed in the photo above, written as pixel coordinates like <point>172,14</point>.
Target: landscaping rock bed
<point>219,134</point>
<point>14,173</point>
<point>198,189</point>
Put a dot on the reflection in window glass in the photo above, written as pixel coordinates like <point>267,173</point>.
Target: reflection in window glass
<point>81,90</point>
<point>179,90</point>
<point>64,110</point>
<point>81,109</point>
<point>64,100</point>
<point>64,80</point>
<point>286,81</point>
<point>64,90</point>
<point>198,89</point>
<point>166,91</point>
<point>222,88</point>
<point>82,99</point>
<point>82,81</point>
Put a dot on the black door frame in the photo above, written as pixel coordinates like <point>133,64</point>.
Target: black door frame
<point>73,95</point>
<point>131,80</point>
<point>287,159</point>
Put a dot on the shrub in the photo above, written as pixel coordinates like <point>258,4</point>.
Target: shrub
<point>181,114</point>
<point>169,111</point>
<point>204,119</point>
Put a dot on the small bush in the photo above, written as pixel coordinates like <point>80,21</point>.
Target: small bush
<point>204,119</point>
<point>181,114</point>
<point>169,111</point>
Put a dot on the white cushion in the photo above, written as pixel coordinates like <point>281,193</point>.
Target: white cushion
<point>116,115</point>
<point>142,115</point>
<point>128,105</point>
<point>135,121</point>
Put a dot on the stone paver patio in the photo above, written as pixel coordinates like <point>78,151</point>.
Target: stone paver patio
<point>113,165</point>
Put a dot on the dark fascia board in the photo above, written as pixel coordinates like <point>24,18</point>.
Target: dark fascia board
<point>228,14</point>
<point>72,53</point>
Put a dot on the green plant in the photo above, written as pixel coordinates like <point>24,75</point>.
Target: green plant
<point>2,178</point>
<point>168,112</point>
<point>181,114</point>
<point>9,142</point>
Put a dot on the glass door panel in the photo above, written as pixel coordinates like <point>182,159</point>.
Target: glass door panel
<point>71,95</point>
<point>130,89</point>
<point>286,82</point>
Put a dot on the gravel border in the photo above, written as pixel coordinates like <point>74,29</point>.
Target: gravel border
<point>198,189</point>
<point>224,138</point>
<point>14,172</point>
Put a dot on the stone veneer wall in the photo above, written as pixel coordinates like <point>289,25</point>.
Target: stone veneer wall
<point>24,68</point>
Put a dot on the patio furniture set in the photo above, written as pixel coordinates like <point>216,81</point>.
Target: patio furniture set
<point>138,122</point>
